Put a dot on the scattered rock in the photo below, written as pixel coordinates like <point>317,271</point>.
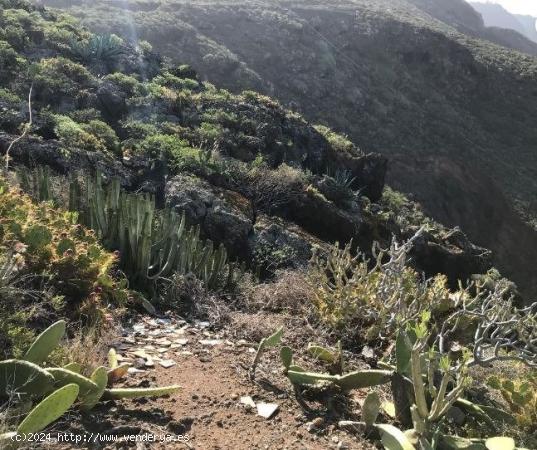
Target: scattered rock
<point>352,426</point>
<point>267,410</point>
<point>368,352</point>
<point>167,363</point>
<point>315,424</point>
<point>211,342</point>
<point>248,402</point>
<point>149,362</point>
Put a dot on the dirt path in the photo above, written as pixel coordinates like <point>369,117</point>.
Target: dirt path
<point>210,408</point>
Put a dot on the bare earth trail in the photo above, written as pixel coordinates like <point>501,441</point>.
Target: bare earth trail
<point>210,409</point>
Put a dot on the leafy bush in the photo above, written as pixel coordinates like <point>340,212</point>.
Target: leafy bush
<point>93,136</point>
<point>172,149</point>
<point>127,83</point>
<point>73,135</point>
<point>10,62</point>
<point>60,77</point>
<point>106,136</point>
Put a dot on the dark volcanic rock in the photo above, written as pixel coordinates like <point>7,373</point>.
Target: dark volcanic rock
<point>33,152</point>
<point>224,216</point>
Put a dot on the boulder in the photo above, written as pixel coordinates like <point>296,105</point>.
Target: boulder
<point>33,152</point>
<point>224,216</point>
<point>281,244</point>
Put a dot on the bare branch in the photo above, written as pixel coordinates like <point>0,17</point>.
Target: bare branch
<point>25,130</point>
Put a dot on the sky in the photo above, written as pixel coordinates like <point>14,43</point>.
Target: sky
<point>528,7</point>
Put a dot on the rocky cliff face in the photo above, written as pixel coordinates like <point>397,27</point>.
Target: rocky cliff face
<point>446,108</point>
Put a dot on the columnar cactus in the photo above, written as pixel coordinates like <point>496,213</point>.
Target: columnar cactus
<point>152,244</point>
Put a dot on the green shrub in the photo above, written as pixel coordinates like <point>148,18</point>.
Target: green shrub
<point>338,142</point>
<point>127,83</point>
<point>104,133</point>
<point>174,82</point>
<point>172,149</point>
<point>10,62</point>
<point>61,77</point>
<point>352,297</point>
<point>73,135</point>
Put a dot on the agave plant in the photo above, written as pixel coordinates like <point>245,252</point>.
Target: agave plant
<point>98,48</point>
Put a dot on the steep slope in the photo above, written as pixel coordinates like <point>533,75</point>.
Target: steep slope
<point>392,77</point>
<point>254,176</point>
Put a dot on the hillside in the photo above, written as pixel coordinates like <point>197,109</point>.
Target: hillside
<point>452,112</point>
<point>186,267</point>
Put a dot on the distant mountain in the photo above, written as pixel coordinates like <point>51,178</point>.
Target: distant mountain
<point>495,15</point>
<point>528,22</point>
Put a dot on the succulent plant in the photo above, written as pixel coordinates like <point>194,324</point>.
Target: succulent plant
<point>346,382</point>
<point>45,343</point>
<point>152,244</point>
<point>24,379</point>
<point>42,415</point>
<point>270,341</point>
<point>49,409</point>
<point>371,409</point>
<point>122,393</point>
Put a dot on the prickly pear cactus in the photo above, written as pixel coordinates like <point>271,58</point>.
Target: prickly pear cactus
<point>49,409</point>
<point>117,394</point>
<point>24,378</point>
<point>63,377</point>
<point>45,343</point>
<point>371,409</point>
<point>100,378</point>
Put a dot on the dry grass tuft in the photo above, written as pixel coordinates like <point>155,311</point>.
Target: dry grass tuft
<point>288,293</point>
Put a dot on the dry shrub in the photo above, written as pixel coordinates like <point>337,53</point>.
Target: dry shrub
<point>276,189</point>
<point>88,347</point>
<point>254,327</point>
<point>187,295</point>
<point>289,292</point>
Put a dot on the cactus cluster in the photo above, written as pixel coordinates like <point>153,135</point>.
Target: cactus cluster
<point>152,244</point>
<point>426,386</point>
<point>521,397</point>
<point>37,182</point>
<point>61,386</point>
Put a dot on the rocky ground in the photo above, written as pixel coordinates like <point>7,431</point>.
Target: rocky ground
<point>219,406</point>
